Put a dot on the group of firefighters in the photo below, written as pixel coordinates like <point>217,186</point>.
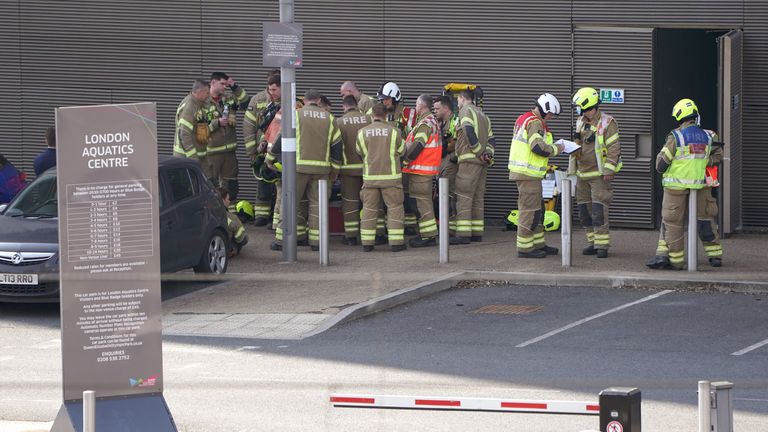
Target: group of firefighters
<point>387,156</point>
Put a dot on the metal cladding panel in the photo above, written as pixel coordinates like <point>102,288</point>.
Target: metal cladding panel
<point>755,115</point>
<point>619,59</point>
<point>501,46</point>
<point>709,14</point>
<point>12,125</point>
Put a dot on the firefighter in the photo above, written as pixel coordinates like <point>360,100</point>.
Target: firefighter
<point>532,146</point>
<point>423,151</point>
<point>364,102</point>
<point>192,128</point>
<point>318,156</point>
<point>351,167</point>
<point>683,163</point>
<point>260,112</point>
<point>448,121</point>
<point>595,164</point>
<point>221,114</point>
<point>474,149</point>
<point>237,236</point>
<point>381,147</point>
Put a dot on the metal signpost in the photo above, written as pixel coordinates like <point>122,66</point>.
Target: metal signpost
<point>109,245</point>
<point>282,47</point>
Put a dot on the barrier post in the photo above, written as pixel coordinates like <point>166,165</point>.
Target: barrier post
<point>89,411</point>
<point>565,222</point>
<point>620,410</point>
<point>721,415</point>
<point>693,238</point>
<point>705,405</point>
<point>323,199</point>
<point>444,219</point>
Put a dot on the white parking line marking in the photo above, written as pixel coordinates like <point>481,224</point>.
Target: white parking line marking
<point>750,348</point>
<point>593,317</point>
<point>751,400</point>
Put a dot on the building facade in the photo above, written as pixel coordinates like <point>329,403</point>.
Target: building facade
<point>82,52</point>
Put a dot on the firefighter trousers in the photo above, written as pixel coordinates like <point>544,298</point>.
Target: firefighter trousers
<point>530,230</point>
<point>409,205</point>
<point>593,198</point>
<point>350,203</point>
<point>306,192</point>
<point>224,172</point>
<point>706,216</point>
<point>393,198</point>
<point>265,193</point>
<point>420,189</point>
<point>449,169</point>
<point>470,197</point>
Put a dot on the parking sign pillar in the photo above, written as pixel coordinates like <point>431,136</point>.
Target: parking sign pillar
<point>288,132</point>
<point>620,410</point>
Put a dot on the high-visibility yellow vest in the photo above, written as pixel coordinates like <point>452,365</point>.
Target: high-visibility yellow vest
<point>689,165</point>
<point>521,159</point>
<point>601,149</point>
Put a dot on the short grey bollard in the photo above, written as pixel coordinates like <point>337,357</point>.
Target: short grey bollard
<point>442,184</point>
<point>323,199</point>
<point>705,404</point>
<point>565,222</point>
<point>693,238</point>
<point>620,410</point>
<point>89,411</point>
<point>721,413</point>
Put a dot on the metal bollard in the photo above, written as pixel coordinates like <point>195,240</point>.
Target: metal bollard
<point>323,199</point>
<point>89,411</point>
<point>620,410</point>
<point>444,219</point>
<point>565,222</point>
<point>693,238</point>
<point>721,413</point>
<point>705,404</point>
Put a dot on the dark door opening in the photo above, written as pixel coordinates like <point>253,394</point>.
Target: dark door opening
<point>685,66</point>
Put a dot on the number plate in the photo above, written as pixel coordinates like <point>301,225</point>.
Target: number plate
<point>18,279</point>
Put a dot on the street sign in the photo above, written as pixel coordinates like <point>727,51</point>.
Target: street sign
<point>282,44</point>
<point>612,96</point>
<point>614,426</point>
<point>109,258</point>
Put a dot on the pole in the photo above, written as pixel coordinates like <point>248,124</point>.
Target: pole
<point>442,194</point>
<point>565,222</point>
<point>288,143</point>
<point>323,197</point>
<point>693,238</point>
<point>705,405</point>
<point>89,411</point>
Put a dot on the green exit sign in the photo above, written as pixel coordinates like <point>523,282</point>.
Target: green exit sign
<point>612,96</point>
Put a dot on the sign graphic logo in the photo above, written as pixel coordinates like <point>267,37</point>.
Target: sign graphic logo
<point>16,259</point>
<point>144,382</point>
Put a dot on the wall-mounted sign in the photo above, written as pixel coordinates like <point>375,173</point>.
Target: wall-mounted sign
<point>612,96</point>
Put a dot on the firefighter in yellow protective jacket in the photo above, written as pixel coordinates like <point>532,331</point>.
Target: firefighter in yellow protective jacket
<point>532,146</point>
<point>683,162</point>
<point>381,146</point>
<point>221,114</point>
<point>351,167</point>
<point>595,164</point>
<point>423,151</point>
<point>192,133</point>
<point>261,110</point>
<point>474,148</point>
<point>318,156</point>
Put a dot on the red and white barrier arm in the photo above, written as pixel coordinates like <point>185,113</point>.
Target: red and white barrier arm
<point>465,404</point>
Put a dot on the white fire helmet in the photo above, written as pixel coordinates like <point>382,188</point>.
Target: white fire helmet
<point>548,104</point>
<point>391,90</point>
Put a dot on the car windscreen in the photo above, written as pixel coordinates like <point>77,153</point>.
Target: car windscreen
<point>37,200</point>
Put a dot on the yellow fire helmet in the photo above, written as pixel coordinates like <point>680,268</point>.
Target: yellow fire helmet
<point>685,108</point>
<point>585,98</point>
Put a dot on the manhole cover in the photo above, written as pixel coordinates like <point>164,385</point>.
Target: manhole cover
<point>508,309</point>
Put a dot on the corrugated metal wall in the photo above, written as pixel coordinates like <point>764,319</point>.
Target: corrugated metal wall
<point>617,58</point>
<point>91,51</point>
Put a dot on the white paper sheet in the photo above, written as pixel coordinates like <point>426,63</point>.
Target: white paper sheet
<point>570,146</point>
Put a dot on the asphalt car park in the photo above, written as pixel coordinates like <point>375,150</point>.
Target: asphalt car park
<point>193,231</point>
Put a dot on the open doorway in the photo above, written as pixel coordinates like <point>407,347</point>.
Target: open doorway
<point>685,66</point>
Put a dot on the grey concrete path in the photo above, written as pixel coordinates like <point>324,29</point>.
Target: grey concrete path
<point>266,299</point>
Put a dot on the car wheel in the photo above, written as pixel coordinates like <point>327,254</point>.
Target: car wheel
<point>215,257</point>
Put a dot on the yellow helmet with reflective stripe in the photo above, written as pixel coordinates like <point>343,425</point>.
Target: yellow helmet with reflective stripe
<point>684,109</point>
<point>585,98</point>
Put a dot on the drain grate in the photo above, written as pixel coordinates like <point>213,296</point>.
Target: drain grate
<point>508,309</point>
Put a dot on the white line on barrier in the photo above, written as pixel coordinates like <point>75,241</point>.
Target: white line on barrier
<point>750,348</point>
<point>593,317</point>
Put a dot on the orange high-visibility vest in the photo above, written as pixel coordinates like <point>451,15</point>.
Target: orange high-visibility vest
<point>428,161</point>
